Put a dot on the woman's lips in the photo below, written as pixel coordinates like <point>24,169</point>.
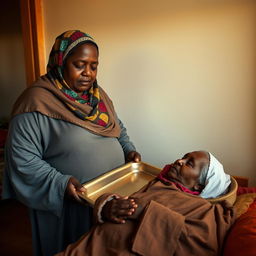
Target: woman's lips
<point>85,82</point>
<point>173,173</point>
<point>173,167</point>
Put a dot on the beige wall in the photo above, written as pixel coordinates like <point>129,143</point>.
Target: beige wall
<point>181,73</point>
<point>12,65</point>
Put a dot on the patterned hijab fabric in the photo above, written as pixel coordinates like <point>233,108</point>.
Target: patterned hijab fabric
<point>64,44</point>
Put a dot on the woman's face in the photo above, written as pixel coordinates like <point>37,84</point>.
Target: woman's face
<point>188,169</point>
<point>80,68</point>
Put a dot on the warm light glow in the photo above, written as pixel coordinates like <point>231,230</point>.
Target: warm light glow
<point>181,73</point>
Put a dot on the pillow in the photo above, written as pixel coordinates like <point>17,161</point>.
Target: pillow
<point>241,240</point>
<point>243,190</point>
<point>243,202</point>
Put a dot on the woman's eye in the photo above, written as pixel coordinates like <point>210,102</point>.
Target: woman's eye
<point>94,67</point>
<point>190,163</point>
<point>79,66</point>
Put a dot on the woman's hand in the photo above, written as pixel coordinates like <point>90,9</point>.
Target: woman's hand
<point>139,209</point>
<point>72,188</point>
<point>119,209</point>
<point>133,156</point>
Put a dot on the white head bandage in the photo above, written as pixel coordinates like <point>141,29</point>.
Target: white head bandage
<point>215,180</point>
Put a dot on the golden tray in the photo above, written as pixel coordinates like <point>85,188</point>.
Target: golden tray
<point>131,177</point>
<point>124,181</point>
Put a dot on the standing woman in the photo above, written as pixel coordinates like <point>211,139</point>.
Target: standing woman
<point>64,131</point>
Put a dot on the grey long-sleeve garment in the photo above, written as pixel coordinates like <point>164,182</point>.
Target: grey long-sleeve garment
<point>42,153</point>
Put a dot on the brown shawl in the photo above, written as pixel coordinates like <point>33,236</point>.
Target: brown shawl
<point>45,98</point>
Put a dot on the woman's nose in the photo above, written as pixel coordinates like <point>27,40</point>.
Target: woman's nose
<point>180,162</point>
<point>86,71</point>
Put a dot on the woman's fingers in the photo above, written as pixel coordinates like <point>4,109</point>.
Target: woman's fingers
<point>119,209</point>
<point>118,220</point>
<point>76,197</point>
<point>124,203</point>
<point>133,156</point>
<point>73,187</point>
<point>78,186</point>
<point>137,157</point>
<point>123,207</point>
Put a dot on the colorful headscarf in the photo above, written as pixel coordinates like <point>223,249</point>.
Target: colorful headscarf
<point>64,44</point>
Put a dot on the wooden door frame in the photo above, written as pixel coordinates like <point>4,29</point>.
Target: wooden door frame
<point>32,22</point>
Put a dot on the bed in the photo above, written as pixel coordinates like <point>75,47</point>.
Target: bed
<point>241,239</point>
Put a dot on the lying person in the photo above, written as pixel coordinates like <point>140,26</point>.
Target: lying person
<point>168,216</point>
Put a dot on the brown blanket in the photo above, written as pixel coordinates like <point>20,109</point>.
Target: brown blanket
<point>173,223</point>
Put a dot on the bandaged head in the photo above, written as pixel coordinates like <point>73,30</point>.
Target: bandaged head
<point>214,179</point>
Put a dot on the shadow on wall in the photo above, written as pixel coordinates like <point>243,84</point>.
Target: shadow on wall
<point>12,68</point>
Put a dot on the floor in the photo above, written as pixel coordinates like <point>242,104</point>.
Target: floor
<point>15,229</point>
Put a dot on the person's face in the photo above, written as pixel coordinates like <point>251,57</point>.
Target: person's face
<point>188,169</point>
<point>80,68</point>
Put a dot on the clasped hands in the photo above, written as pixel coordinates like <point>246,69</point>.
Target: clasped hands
<point>121,208</point>
<point>117,210</point>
